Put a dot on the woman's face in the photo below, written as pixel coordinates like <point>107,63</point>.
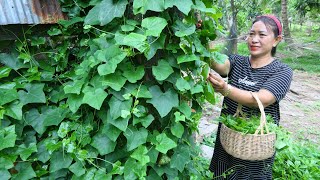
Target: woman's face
<point>261,40</point>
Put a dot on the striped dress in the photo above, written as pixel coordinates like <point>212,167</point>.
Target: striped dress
<point>275,77</point>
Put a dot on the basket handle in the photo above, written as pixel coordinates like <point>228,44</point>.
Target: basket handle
<point>263,121</point>
<point>239,111</point>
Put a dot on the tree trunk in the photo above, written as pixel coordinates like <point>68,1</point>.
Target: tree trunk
<point>286,30</point>
<point>233,37</point>
<point>225,18</point>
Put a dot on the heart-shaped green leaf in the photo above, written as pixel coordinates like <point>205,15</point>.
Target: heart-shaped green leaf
<point>103,144</point>
<point>185,109</point>
<point>77,168</point>
<point>111,65</point>
<point>25,151</point>
<point>4,72</point>
<point>4,173</point>
<point>135,137</point>
<point>7,137</point>
<point>127,28</point>
<point>25,171</point>
<point>163,102</point>
<point>105,12</point>
<point>35,41</point>
<point>111,131</point>
<point>140,154</point>
<point>117,105</point>
<point>164,143</point>
<point>135,40</point>
<point>34,94</point>
<point>59,160</point>
<point>187,58</point>
<point>154,25</point>
<point>209,93</point>
<point>182,29</point>
<point>74,86</point>
<point>205,71</point>
<point>14,110</point>
<point>182,85</point>
<point>54,31</point>
<point>8,95</point>
<point>90,97</point>
<point>43,154</point>
<point>120,123</point>
<point>218,57</point>
<point>177,129</point>
<point>179,117</point>
<point>162,71</point>
<point>141,6</point>
<point>145,121</point>
<point>53,115</point>
<point>12,61</point>
<point>196,89</point>
<point>133,74</point>
<point>115,81</point>
<point>184,6</point>
<point>35,119</point>
<point>141,92</point>
<point>155,44</point>
<point>180,158</point>
<point>74,101</point>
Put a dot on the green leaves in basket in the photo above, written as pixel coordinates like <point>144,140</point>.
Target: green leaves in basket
<point>247,125</point>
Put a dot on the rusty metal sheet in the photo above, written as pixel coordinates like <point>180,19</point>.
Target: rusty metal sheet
<point>30,12</point>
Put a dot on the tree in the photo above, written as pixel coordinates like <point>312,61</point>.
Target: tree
<point>307,10</point>
<point>285,22</point>
<point>305,6</point>
<point>232,40</point>
<point>238,16</point>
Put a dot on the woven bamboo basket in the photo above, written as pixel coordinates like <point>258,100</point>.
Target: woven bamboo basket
<point>258,146</point>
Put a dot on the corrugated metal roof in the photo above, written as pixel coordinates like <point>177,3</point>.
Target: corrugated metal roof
<point>30,12</point>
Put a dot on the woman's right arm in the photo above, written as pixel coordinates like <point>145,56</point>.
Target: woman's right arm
<point>222,69</point>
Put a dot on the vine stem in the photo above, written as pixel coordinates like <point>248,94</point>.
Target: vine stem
<point>45,53</point>
<point>95,165</point>
<point>102,31</point>
<point>20,74</point>
<point>154,40</point>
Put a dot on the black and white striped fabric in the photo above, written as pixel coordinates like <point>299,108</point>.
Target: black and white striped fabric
<point>275,77</point>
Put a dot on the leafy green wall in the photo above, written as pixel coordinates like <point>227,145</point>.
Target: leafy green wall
<point>115,92</point>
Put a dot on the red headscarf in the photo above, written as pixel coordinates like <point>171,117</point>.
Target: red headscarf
<point>276,20</point>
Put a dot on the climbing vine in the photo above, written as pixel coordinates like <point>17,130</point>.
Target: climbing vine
<point>113,92</point>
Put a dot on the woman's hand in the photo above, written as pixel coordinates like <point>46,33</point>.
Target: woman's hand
<point>218,83</point>
<point>238,95</point>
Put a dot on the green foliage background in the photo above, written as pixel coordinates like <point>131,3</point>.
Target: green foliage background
<point>115,92</point>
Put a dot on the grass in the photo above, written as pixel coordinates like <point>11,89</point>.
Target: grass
<point>210,140</point>
<point>305,55</point>
<point>308,63</point>
<point>304,28</point>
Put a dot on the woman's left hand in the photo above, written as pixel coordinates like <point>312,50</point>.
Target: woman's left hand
<point>218,83</point>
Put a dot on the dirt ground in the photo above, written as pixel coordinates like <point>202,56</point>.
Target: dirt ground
<point>300,109</point>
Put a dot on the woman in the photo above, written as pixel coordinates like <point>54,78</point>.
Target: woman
<point>262,73</point>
